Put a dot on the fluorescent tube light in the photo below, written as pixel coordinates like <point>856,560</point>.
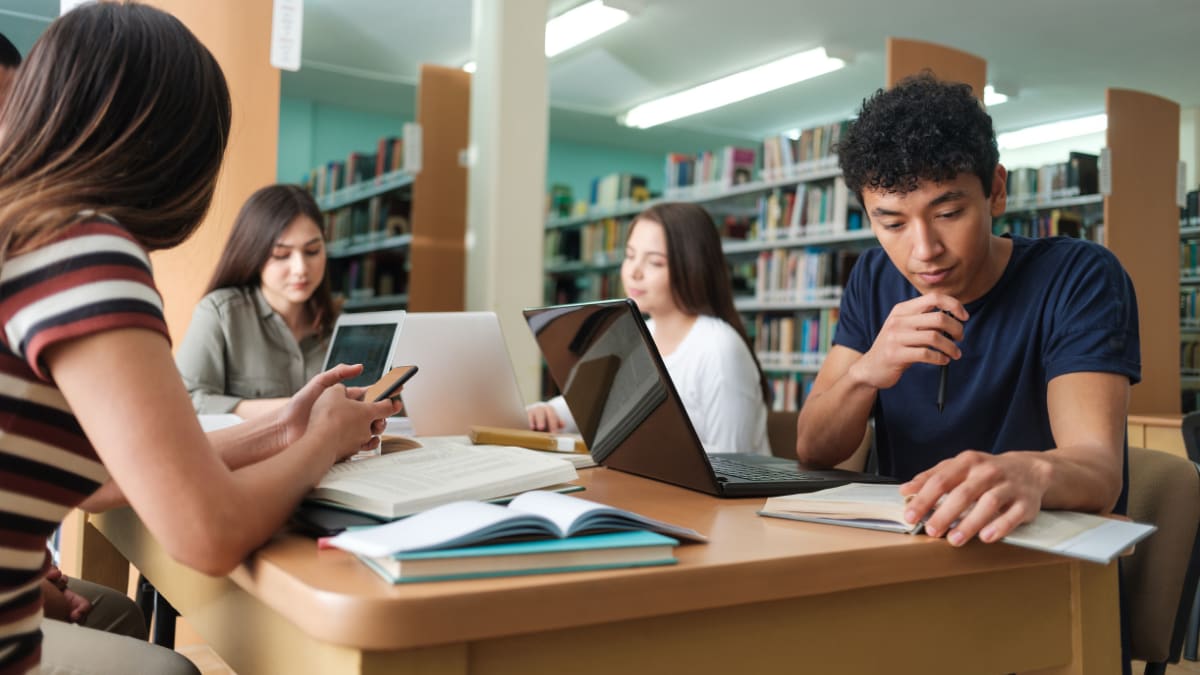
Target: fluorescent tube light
<point>578,25</point>
<point>733,88</point>
<point>575,27</point>
<point>1054,131</point>
<point>992,97</point>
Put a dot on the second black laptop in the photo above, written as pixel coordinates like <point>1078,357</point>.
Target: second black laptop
<point>604,360</point>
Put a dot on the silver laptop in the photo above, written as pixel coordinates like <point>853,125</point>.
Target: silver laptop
<point>466,375</point>
<point>368,338</point>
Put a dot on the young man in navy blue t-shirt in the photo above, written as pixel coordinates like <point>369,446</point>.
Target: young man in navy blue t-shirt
<point>1039,337</point>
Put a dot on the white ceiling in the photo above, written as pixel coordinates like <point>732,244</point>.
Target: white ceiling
<point>1059,56</point>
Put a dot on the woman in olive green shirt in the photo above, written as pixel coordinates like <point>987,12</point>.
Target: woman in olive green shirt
<point>262,328</point>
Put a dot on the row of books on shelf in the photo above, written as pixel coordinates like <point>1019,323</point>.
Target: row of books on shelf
<point>788,390</point>
<point>1189,257</point>
<point>806,209</point>
<point>370,275</point>
<point>1079,175</point>
<point>1052,223</point>
<point>794,341</point>
<point>392,153</point>
<point>786,154</point>
<point>598,243</point>
<point>727,167</point>
<point>1189,354</point>
<point>1189,306</point>
<point>1189,213</point>
<point>380,217</point>
<point>802,275</point>
<point>561,290</point>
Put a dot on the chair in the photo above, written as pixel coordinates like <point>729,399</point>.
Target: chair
<point>781,436</point>
<point>781,433</point>
<point>155,607</point>
<point>1159,577</point>
<point>1191,441</point>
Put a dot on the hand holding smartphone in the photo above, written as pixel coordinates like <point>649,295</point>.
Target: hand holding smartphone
<point>389,385</point>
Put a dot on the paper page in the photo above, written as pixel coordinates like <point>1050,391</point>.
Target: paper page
<point>573,514</point>
<point>407,482</point>
<point>1080,535</point>
<point>446,526</point>
<point>868,500</point>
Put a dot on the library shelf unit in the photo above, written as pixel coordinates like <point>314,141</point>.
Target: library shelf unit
<point>587,268</point>
<point>420,266</point>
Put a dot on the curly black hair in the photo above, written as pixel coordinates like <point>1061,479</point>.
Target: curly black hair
<point>921,129</point>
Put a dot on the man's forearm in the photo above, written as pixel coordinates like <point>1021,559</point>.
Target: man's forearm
<point>833,422</point>
<point>1081,478</point>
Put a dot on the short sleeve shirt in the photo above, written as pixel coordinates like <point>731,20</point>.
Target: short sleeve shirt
<point>1061,306</point>
<point>92,278</point>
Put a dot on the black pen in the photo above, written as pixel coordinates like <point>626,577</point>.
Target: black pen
<point>941,396</point>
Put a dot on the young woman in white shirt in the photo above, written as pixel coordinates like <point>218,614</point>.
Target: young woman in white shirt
<point>675,271</point>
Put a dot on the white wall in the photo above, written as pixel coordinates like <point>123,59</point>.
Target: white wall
<point>1050,153</point>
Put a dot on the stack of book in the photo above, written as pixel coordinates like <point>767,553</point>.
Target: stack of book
<point>538,532</point>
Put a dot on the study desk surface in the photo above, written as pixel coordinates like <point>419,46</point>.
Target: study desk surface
<point>334,598</point>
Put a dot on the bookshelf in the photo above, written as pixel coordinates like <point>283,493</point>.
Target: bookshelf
<point>766,233</point>
<point>397,240</point>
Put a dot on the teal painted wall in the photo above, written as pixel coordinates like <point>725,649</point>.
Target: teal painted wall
<point>576,164</point>
<point>311,133</point>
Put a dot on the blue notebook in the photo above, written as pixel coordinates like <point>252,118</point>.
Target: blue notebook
<point>636,548</point>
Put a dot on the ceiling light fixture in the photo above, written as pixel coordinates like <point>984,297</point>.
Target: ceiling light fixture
<point>575,27</point>
<point>732,88</point>
<point>1054,131</point>
<point>992,97</point>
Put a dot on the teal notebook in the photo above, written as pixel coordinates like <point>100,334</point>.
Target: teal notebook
<point>636,548</point>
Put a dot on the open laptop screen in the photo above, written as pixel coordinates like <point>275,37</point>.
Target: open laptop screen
<point>604,361</point>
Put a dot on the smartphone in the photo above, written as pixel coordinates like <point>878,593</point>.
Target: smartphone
<point>389,385</point>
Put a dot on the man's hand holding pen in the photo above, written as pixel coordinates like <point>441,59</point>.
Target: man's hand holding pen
<point>925,329</point>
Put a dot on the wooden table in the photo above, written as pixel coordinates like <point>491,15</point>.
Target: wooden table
<point>765,595</point>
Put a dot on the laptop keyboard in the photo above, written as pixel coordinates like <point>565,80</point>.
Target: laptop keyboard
<point>727,466</point>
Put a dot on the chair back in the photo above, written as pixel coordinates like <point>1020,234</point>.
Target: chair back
<point>781,432</point>
<point>1191,435</point>
<point>1160,576</point>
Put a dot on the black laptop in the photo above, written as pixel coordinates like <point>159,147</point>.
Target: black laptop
<point>604,361</point>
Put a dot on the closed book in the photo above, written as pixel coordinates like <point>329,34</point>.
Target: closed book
<point>881,507</point>
<point>535,514</point>
<point>591,552</point>
<point>526,438</point>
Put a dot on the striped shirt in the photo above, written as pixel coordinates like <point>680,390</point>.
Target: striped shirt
<point>94,277</point>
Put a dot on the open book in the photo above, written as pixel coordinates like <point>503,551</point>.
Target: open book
<point>881,507</point>
<point>440,471</point>
<point>536,514</point>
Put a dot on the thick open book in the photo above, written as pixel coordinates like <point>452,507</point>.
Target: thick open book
<point>633,548</point>
<point>440,471</point>
<point>533,515</point>
<point>881,507</point>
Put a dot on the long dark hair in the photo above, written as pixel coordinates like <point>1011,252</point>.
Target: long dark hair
<point>118,110</point>
<point>697,269</point>
<point>264,216</point>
